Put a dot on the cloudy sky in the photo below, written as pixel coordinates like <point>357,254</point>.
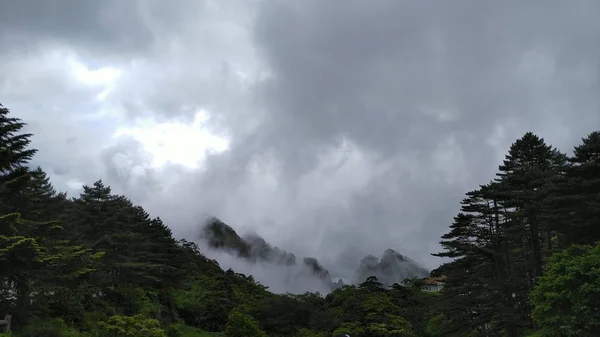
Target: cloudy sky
<point>332,128</point>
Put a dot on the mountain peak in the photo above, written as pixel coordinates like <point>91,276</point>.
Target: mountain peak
<point>316,268</point>
<point>390,256</point>
<point>393,267</point>
<point>219,235</point>
<point>254,248</point>
<point>391,252</point>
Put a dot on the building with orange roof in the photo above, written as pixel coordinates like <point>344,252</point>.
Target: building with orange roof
<point>433,284</point>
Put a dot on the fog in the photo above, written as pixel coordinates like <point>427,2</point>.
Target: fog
<point>279,279</point>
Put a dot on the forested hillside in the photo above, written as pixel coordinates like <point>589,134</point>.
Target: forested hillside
<point>524,248</point>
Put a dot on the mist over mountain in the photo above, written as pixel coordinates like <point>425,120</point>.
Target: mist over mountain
<point>283,271</point>
<point>391,268</point>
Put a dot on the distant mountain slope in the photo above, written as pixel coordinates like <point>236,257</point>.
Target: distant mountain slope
<point>221,236</point>
<point>391,268</point>
<point>253,248</point>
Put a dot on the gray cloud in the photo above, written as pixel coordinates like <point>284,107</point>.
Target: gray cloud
<point>428,84</point>
<point>353,128</point>
<point>97,28</point>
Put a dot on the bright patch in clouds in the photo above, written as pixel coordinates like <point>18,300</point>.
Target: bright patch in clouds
<point>103,78</point>
<point>74,184</point>
<point>176,142</point>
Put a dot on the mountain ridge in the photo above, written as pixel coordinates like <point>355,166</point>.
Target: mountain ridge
<point>391,268</point>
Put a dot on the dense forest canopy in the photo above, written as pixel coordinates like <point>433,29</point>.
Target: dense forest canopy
<point>524,252</point>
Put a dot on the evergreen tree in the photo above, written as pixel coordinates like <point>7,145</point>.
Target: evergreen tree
<point>528,172</point>
<point>43,201</point>
<point>15,154</point>
<point>372,284</point>
<point>524,183</point>
<point>575,200</point>
<point>477,292</point>
<point>32,260</point>
<point>501,241</point>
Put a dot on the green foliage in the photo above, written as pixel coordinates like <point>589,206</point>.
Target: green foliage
<point>242,325</point>
<point>205,303</point>
<point>437,325</point>
<point>303,332</point>
<point>352,329</point>
<point>48,328</point>
<point>175,330</point>
<point>566,299</point>
<point>292,314</point>
<point>396,327</point>
<point>180,330</point>
<point>131,326</point>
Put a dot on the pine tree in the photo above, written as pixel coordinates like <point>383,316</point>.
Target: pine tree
<point>88,214</point>
<point>44,202</point>
<point>32,260</point>
<point>576,200</point>
<point>372,284</point>
<point>501,240</point>
<point>476,290</point>
<point>525,182</point>
<point>14,155</point>
<point>526,176</point>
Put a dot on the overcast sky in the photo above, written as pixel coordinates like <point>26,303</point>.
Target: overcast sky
<point>332,128</point>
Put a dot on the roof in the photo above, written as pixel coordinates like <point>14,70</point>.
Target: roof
<point>435,280</point>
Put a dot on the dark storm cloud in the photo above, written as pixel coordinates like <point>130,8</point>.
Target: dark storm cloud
<point>405,79</point>
<point>99,28</point>
<point>433,94</point>
<point>379,72</point>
